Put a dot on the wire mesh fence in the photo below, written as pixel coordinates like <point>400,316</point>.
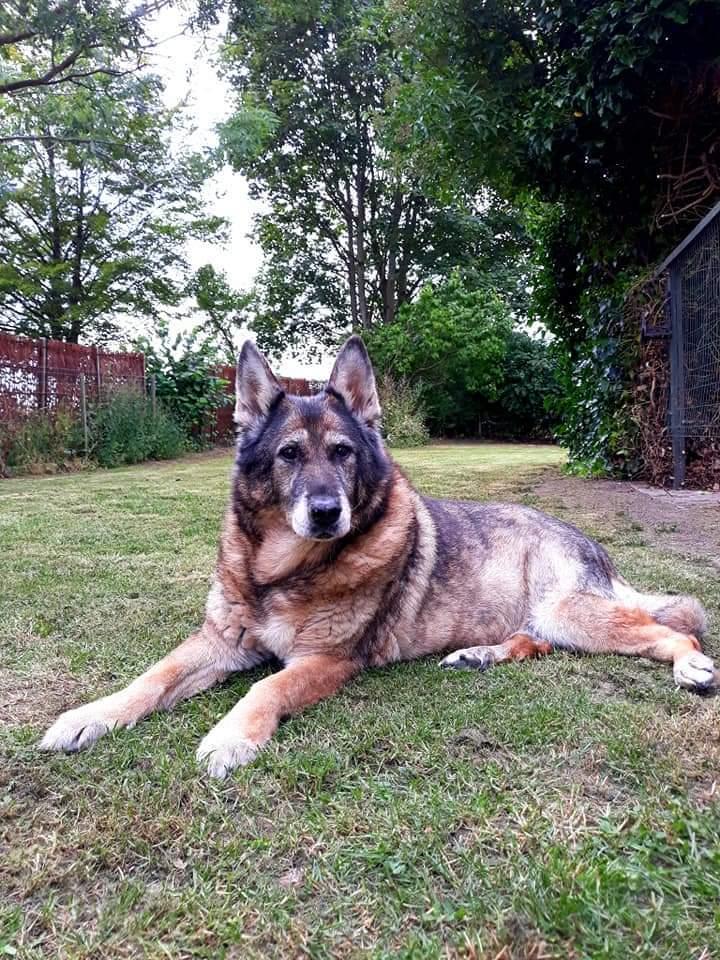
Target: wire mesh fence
<point>46,375</point>
<point>52,382</point>
<point>699,333</point>
<point>690,313</point>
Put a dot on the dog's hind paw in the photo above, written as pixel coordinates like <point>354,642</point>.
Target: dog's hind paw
<point>222,753</point>
<point>695,671</point>
<point>76,729</point>
<point>471,658</point>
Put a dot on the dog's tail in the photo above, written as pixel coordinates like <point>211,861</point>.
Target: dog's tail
<point>684,614</point>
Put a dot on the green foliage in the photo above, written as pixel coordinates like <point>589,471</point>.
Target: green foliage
<point>223,309</point>
<point>347,235</point>
<point>452,340</point>
<point>44,43</point>
<point>95,208</point>
<point>598,119</point>
<point>186,378</point>
<point>528,390</point>
<point>124,429</point>
<point>39,442</point>
<point>592,407</point>
<point>403,414</point>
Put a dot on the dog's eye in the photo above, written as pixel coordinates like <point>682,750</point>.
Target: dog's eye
<point>342,451</point>
<point>289,452</point>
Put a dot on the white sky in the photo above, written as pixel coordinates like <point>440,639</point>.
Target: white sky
<point>185,62</point>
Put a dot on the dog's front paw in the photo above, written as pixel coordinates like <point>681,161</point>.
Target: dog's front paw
<point>220,752</point>
<point>695,671</point>
<point>77,729</point>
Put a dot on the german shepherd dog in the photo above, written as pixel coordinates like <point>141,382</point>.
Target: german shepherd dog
<point>329,561</point>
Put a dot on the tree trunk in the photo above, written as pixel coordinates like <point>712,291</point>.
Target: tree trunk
<point>389,298</point>
<point>76,290</point>
<point>352,272</point>
<point>360,245</point>
<point>406,247</point>
<point>55,304</point>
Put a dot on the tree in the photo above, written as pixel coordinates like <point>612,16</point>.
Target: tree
<point>348,237</point>
<point>527,386</point>
<point>606,110</point>
<point>44,43</point>
<point>452,341</point>
<point>95,209</point>
<point>224,310</point>
<point>600,116</point>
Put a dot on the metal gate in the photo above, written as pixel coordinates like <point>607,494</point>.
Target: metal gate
<point>693,270</point>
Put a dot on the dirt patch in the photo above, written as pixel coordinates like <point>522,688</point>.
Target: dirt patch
<point>705,793</point>
<point>686,521</point>
<point>478,740</point>
<point>691,736</point>
<point>37,699</point>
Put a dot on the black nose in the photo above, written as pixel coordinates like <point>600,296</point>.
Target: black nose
<point>324,511</point>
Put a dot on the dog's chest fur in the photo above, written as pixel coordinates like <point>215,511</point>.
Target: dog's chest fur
<point>301,597</point>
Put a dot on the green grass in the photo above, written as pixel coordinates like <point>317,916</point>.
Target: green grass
<point>559,808</point>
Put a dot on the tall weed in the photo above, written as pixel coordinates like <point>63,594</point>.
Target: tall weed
<point>403,415</point>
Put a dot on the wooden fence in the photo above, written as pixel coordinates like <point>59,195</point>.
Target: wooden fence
<point>223,426</point>
<point>49,375</point>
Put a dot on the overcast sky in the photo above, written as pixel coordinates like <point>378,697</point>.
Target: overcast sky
<point>185,62</point>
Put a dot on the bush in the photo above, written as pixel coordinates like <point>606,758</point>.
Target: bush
<point>593,406</point>
<point>528,388</point>
<point>125,430</point>
<point>41,442</point>
<point>403,415</point>
<point>451,340</point>
<point>120,431</point>
<point>185,371</point>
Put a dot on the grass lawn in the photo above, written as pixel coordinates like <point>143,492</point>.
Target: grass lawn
<point>559,808</point>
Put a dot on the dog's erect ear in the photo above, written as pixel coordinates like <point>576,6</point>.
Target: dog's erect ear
<point>256,388</point>
<point>354,380</point>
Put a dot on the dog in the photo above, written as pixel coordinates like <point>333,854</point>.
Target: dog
<point>330,561</point>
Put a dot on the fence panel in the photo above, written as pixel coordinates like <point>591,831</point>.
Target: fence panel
<point>44,375</point>
<point>223,429</point>
<point>22,385</point>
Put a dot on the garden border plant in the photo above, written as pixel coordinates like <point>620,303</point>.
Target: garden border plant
<point>124,428</point>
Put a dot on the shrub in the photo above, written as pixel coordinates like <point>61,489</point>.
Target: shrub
<point>403,414</point>
<point>185,371</point>
<point>593,405</point>
<point>528,388</point>
<point>451,340</point>
<point>40,442</point>
<point>125,430</point>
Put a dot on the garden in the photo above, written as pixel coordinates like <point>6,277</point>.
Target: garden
<point>518,209</point>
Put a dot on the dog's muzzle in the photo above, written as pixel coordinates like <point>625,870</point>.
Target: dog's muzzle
<point>321,516</point>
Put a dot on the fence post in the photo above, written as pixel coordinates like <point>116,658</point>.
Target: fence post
<point>42,398</point>
<point>83,411</point>
<point>97,372</point>
<point>677,375</point>
<point>153,395</point>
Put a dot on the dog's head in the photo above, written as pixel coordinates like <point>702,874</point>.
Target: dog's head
<point>319,459</point>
